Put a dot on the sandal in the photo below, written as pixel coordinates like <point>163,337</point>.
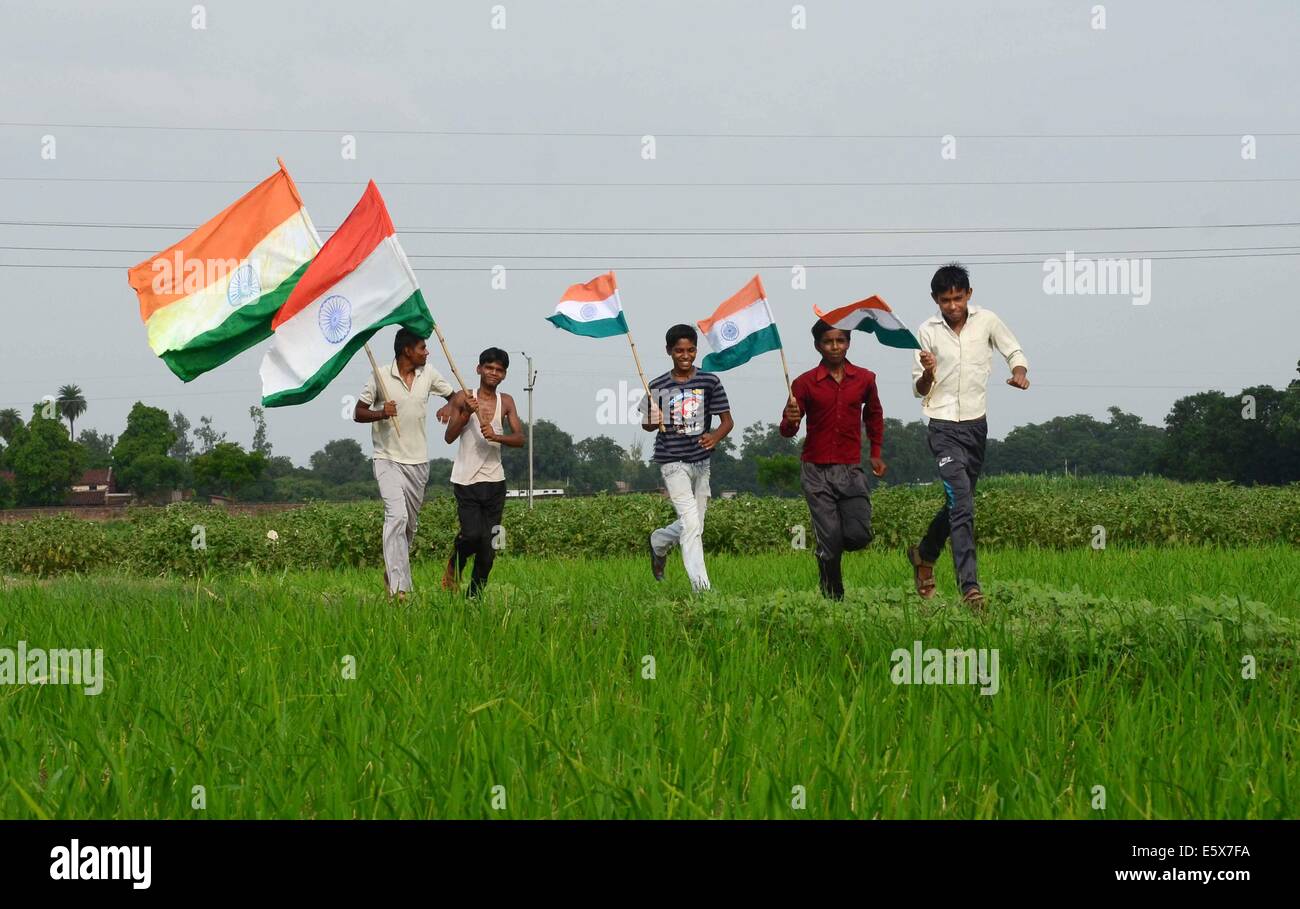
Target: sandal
<point>450,576</point>
<point>974,598</point>
<point>922,573</point>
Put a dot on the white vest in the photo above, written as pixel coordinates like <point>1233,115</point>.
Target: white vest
<point>477,459</point>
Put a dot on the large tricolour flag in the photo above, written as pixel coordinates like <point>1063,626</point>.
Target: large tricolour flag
<point>592,309</point>
<point>873,315</point>
<point>212,295</point>
<point>358,283</point>
<point>740,329</point>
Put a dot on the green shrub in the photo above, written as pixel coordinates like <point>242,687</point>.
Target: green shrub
<point>1047,512</point>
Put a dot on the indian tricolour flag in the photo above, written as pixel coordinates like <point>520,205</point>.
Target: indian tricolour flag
<point>873,315</point>
<point>213,294</point>
<point>358,283</point>
<point>740,329</point>
<point>592,309</point>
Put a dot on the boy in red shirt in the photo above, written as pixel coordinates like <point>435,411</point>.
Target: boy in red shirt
<point>839,398</point>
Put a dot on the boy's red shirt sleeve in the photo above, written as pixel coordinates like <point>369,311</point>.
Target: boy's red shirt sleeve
<point>873,417</point>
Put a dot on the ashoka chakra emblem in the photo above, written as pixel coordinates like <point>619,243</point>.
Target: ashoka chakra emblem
<point>244,286</point>
<point>729,331</point>
<point>588,311</point>
<point>335,318</point>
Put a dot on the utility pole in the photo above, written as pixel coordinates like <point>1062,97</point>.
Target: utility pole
<point>532,380</point>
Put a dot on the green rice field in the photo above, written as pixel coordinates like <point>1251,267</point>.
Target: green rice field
<point>581,688</point>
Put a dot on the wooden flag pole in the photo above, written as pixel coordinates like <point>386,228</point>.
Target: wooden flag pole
<point>450,362</point>
<point>456,372</point>
<point>379,384</point>
<point>781,347</point>
<point>786,370</point>
<point>644,383</point>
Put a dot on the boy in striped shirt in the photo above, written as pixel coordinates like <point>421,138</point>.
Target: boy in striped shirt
<point>685,400</point>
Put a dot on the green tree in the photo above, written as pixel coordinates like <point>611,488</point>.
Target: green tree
<point>45,462</point>
<point>208,436</point>
<point>341,461</point>
<point>139,459</point>
<point>763,440</point>
<point>440,477</point>
<point>725,470</point>
<point>554,460</point>
<point>599,464</point>
<point>99,448</point>
<point>72,404</point>
<point>779,472</point>
<point>227,468</point>
<point>183,448</point>
<point>260,444</point>
<point>905,451</point>
<point>11,420</point>
<point>1243,438</point>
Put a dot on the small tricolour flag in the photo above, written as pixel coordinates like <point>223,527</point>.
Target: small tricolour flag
<point>212,296</point>
<point>740,329</point>
<point>592,309</point>
<point>358,283</point>
<point>871,315</point>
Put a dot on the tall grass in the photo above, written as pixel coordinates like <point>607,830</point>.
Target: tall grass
<point>1120,669</point>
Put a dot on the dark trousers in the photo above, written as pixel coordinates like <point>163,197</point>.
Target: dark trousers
<point>479,507</point>
<point>840,504</point>
<point>958,449</point>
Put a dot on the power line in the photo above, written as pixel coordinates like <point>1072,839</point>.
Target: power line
<point>783,258</point>
<point>695,232</point>
<point>696,184</point>
<point>606,134</point>
<point>736,266</point>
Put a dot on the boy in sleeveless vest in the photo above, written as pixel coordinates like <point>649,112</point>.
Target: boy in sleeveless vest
<point>483,422</point>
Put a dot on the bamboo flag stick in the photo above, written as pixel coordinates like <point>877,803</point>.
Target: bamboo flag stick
<point>379,384</point>
<point>456,372</point>
<point>781,347</point>
<point>786,370</point>
<point>644,383</point>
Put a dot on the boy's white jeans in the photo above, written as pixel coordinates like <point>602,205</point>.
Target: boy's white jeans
<point>688,488</point>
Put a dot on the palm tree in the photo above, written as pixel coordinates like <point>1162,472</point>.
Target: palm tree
<point>72,404</point>
<point>10,420</point>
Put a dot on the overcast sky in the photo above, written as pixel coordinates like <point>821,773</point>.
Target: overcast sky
<point>1155,104</point>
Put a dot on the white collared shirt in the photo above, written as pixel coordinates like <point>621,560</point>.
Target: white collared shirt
<point>411,447</point>
<point>963,363</point>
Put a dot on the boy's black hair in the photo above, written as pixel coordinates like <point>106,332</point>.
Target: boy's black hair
<point>677,332</point>
<point>494,355</point>
<point>405,338</point>
<point>952,276</point>
<point>821,326</point>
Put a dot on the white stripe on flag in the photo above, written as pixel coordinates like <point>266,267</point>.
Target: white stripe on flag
<point>590,310</point>
<point>731,330</point>
<point>305,343</point>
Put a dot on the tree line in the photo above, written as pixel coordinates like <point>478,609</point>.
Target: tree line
<point>1247,438</point>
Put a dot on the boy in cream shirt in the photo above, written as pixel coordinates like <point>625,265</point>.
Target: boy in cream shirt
<point>950,374</point>
<point>401,460</point>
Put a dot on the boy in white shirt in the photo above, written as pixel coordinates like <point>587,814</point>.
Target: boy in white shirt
<point>950,374</point>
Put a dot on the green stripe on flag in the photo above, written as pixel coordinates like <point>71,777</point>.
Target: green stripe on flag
<point>248,325</point>
<point>412,314</point>
<point>890,337</point>
<point>597,328</point>
<point>759,342</point>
